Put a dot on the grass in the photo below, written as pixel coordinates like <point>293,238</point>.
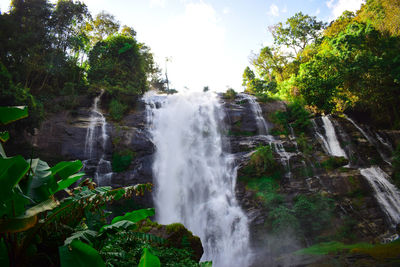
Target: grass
<point>377,251</point>
<point>331,247</point>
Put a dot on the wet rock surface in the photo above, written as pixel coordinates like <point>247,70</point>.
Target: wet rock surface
<point>312,171</point>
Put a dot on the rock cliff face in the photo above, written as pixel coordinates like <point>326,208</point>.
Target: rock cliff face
<point>306,169</point>
<point>63,137</point>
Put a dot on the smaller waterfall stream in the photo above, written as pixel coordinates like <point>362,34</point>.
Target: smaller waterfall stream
<point>371,140</point>
<point>262,126</point>
<point>257,111</point>
<point>386,193</point>
<point>97,131</point>
<point>330,140</point>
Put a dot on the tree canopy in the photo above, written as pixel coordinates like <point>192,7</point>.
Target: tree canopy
<point>351,66</point>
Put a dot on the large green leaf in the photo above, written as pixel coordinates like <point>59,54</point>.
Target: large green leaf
<point>28,220</point>
<point>15,204</point>
<point>135,216</point>
<point>121,225</point>
<point>10,114</point>
<point>40,183</point>
<point>41,207</point>
<point>86,235</point>
<point>11,172</point>
<point>4,136</point>
<point>14,225</point>
<point>69,181</point>
<point>79,254</point>
<point>65,169</point>
<point>148,259</point>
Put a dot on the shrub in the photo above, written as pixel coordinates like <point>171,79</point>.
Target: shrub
<point>230,94</point>
<point>334,162</point>
<point>314,213</point>
<point>121,161</point>
<point>295,116</point>
<point>117,109</point>
<point>263,160</point>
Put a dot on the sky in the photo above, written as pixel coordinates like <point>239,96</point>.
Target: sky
<point>209,42</point>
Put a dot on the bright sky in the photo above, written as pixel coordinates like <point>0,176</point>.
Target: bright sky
<point>209,41</point>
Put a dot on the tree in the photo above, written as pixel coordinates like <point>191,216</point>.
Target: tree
<point>102,26</point>
<point>298,31</point>
<point>117,65</point>
<point>270,62</point>
<point>67,21</point>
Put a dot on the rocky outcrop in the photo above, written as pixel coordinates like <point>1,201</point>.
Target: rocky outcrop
<point>62,137</point>
<point>309,170</point>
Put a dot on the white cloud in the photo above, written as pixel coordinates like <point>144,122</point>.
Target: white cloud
<point>338,6</point>
<point>195,41</point>
<point>273,10</point>
<point>157,3</point>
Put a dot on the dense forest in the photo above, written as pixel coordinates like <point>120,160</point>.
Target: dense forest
<point>351,65</point>
<point>54,53</point>
<point>56,58</point>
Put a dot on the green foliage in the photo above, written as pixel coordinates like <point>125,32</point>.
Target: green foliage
<point>230,94</point>
<point>80,254</point>
<point>295,116</point>
<point>282,220</point>
<point>263,160</point>
<point>298,31</point>
<point>314,213</point>
<point>118,66</point>
<point>303,145</point>
<point>334,162</point>
<point>117,109</point>
<point>148,259</point>
<point>121,161</point>
<point>135,216</point>
<point>11,114</point>
<point>125,248</point>
<point>330,247</point>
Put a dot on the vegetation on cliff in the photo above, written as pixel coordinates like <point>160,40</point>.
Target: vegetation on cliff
<point>349,66</point>
<point>57,52</point>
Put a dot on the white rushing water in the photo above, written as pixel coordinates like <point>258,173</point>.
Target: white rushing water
<point>194,178</point>
<point>257,111</point>
<point>98,130</point>
<point>331,141</point>
<point>386,193</point>
<point>371,140</point>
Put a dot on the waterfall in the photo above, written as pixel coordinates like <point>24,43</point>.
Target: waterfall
<point>194,178</point>
<point>386,193</point>
<point>96,131</point>
<point>371,140</point>
<point>257,111</point>
<point>330,141</point>
<point>262,128</point>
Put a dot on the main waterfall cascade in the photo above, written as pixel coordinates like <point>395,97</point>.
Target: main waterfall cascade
<point>97,131</point>
<point>195,178</point>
